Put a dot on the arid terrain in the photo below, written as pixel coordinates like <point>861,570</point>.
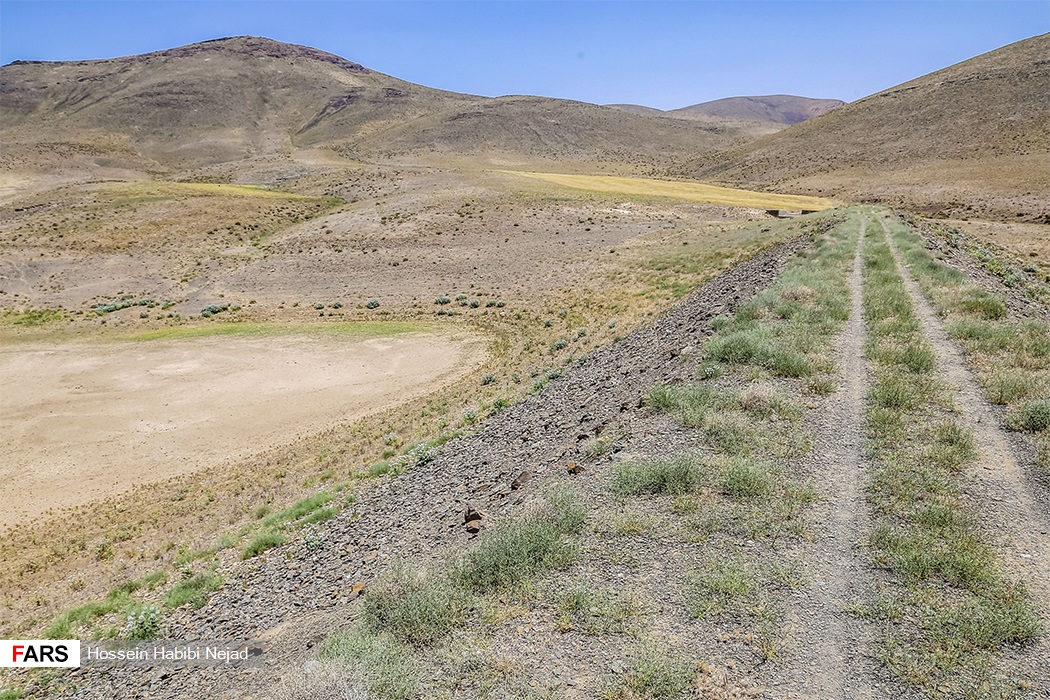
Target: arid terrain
<point>444,396</point>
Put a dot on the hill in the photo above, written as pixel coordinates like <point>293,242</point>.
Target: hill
<point>239,98</point>
<point>779,109</point>
<point>969,140</point>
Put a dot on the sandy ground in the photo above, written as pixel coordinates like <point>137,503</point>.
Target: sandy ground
<point>82,421</point>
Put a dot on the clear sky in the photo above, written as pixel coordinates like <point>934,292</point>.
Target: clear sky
<point>663,54</point>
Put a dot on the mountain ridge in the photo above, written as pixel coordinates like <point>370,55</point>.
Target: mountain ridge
<point>237,98</point>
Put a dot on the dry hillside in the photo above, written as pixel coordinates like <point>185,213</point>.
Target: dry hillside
<point>777,109</point>
<point>250,98</point>
<point>970,140</point>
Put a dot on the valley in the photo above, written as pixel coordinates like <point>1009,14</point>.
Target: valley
<point>446,396</point>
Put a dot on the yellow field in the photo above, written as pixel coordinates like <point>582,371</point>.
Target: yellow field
<point>688,191</point>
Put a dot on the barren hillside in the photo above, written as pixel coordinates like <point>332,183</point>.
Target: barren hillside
<point>248,97</point>
<point>777,109</point>
<point>971,139</point>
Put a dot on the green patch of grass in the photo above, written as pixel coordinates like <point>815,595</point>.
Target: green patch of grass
<point>517,550</point>
<point>654,673</point>
<point>299,512</point>
<point>319,516</point>
<point>952,446</point>
<point>262,541</point>
<point>66,625</point>
<point>732,432</point>
<point>673,476</point>
<point>759,346</point>
<point>745,479</point>
<point>193,591</point>
<point>895,392</point>
<point>722,585</point>
<point>944,552</point>
<point>384,663</point>
<point>983,304</point>
<point>414,606</point>
<point>630,524</point>
<point>1010,385</point>
<point>32,317</point>
<point>1031,416</point>
<point>690,402</point>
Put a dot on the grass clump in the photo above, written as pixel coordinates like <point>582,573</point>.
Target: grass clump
<point>594,611</point>
<point>414,606</point>
<point>745,479</point>
<point>384,664</point>
<point>517,550</point>
<point>690,402</point>
<point>193,590</point>
<point>659,477</point>
<point>262,541</point>
<point>653,673</point>
<point>720,586</point>
<point>1010,386</point>
<point>1031,417</point>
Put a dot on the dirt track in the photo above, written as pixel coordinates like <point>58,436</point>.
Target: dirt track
<point>84,421</point>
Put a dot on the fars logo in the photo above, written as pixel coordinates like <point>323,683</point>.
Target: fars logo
<point>38,653</point>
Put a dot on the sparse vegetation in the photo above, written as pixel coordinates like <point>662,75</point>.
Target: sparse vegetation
<point>955,606</point>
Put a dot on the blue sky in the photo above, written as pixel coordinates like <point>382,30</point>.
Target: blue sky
<point>664,54</point>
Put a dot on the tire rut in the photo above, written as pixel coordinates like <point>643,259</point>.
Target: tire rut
<point>831,659</point>
<point>996,482</point>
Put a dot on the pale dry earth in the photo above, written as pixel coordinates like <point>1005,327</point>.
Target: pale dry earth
<point>82,421</point>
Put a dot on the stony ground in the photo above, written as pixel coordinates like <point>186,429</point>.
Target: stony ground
<point>799,638</point>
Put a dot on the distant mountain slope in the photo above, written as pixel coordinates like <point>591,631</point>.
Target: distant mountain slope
<point>772,109</point>
<point>779,109</point>
<point>971,138</point>
<point>638,109</point>
<point>245,97</point>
